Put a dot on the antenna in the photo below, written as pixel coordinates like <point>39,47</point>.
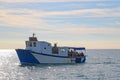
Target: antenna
<point>33,34</point>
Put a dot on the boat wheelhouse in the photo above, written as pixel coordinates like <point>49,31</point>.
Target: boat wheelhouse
<point>37,52</point>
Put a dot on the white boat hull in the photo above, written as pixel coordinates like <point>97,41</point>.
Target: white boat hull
<point>27,56</point>
<point>51,59</point>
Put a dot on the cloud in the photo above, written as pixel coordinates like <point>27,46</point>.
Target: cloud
<point>93,30</point>
<point>51,0</point>
<point>19,18</point>
<point>32,18</point>
<point>90,45</point>
<point>87,13</point>
<point>106,12</point>
<point>79,31</point>
<point>26,17</point>
<point>103,4</point>
<point>117,22</point>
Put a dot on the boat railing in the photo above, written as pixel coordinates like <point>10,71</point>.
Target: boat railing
<point>75,54</point>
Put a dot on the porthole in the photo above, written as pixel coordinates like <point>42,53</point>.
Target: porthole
<point>44,47</point>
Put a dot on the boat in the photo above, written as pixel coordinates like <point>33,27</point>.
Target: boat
<point>37,52</point>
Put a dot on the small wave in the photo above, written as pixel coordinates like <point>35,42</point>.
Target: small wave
<point>109,63</point>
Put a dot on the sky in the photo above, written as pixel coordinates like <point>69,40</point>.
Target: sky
<point>94,24</point>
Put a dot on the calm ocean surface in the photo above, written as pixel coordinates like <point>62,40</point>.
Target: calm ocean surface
<point>100,65</point>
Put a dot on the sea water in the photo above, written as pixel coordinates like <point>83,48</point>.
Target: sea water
<point>101,64</point>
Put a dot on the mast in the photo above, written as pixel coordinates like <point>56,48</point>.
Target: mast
<point>33,34</point>
<point>33,38</point>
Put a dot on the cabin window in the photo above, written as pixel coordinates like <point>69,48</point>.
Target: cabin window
<point>34,44</point>
<point>30,44</point>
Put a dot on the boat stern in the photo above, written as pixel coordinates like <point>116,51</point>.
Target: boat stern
<point>81,60</point>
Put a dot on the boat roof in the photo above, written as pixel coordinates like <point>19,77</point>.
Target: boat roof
<point>81,48</point>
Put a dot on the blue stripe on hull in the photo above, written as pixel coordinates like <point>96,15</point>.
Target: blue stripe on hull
<point>77,60</point>
<point>25,56</point>
<point>50,55</point>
